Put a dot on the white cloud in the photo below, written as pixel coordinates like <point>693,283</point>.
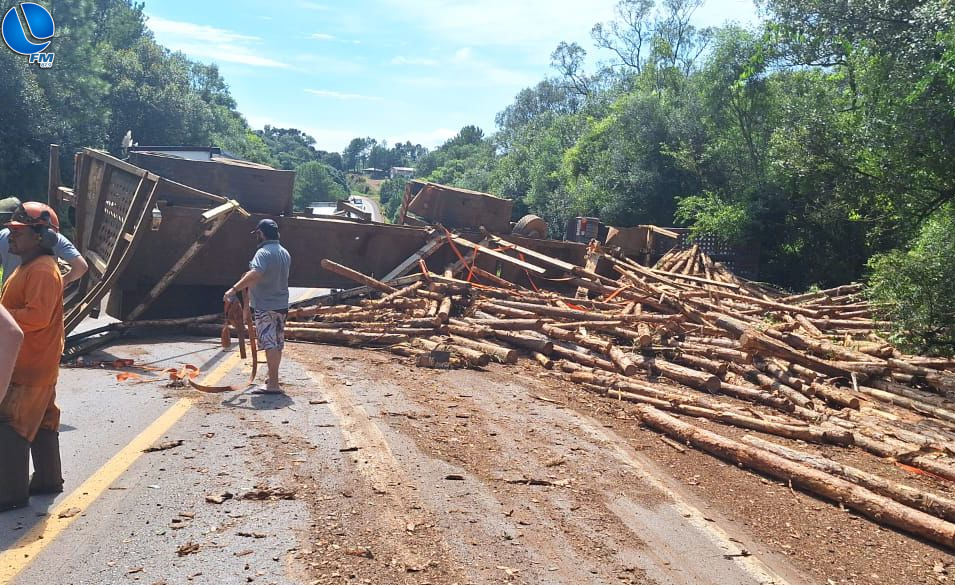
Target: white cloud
<point>342,96</point>
<point>211,43</point>
<point>229,54</point>
<point>196,32</point>
<point>400,60</point>
<point>465,68</point>
<point>322,37</point>
<point>535,25</point>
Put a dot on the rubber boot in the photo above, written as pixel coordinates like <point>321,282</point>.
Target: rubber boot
<point>47,475</point>
<point>14,469</point>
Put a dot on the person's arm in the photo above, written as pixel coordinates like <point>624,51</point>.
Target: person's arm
<point>256,272</point>
<point>11,337</point>
<point>248,279</point>
<point>65,250</point>
<point>78,268</point>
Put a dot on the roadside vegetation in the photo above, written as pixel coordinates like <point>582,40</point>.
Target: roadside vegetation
<point>823,138</point>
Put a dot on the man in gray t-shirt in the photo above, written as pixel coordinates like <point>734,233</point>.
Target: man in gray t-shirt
<point>64,249</point>
<point>267,283</point>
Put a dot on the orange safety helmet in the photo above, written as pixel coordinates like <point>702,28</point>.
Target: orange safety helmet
<point>34,214</point>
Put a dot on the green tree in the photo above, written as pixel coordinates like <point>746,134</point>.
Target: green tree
<point>30,124</point>
<point>356,153</point>
<point>915,287</point>
<point>315,181</point>
<point>290,147</point>
<point>392,194</point>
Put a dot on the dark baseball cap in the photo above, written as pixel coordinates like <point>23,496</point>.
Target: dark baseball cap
<point>268,227</point>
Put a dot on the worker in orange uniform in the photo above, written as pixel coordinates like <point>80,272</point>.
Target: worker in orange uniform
<point>29,418</point>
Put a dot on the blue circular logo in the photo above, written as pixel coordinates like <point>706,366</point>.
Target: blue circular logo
<point>39,22</point>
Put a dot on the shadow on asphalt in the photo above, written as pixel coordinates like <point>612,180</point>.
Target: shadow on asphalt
<point>249,401</point>
<point>31,517</point>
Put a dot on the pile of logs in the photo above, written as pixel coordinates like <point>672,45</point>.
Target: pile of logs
<point>685,339</point>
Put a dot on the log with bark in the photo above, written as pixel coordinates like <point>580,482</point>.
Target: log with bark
<point>878,508</point>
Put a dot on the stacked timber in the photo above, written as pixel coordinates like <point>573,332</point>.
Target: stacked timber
<point>686,340</point>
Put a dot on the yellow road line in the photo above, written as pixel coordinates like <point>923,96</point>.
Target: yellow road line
<point>22,553</point>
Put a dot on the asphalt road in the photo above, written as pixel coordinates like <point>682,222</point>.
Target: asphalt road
<point>372,205</point>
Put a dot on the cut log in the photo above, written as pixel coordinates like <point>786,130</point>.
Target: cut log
<point>909,403</point>
<point>526,341</point>
<point>765,345</point>
<point>808,326</point>
<point>558,312</point>
<point>623,361</point>
<point>507,311</point>
<point>660,398</point>
<point>715,341</point>
<point>834,395</point>
<point>500,256</point>
<point>465,329</point>
<point>473,357</point>
<point>590,342</point>
<point>826,349</point>
<point>852,324</point>
<point>600,325</point>
<point>938,380</point>
<point>939,506</point>
<point>503,354</point>
<point>338,337</point>
<point>829,292</point>
<point>757,396</point>
<point>544,361</point>
<point>356,276</point>
<point>582,358</point>
<point>508,324</point>
<point>402,292</point>
<point>691,378</point>
<point>773,369</point>
<point>868,503</point>
<point>701,363</point>
<point>774,385</point>
<point>720,353</point>
<point>444,309</point>
<point>906,455</point>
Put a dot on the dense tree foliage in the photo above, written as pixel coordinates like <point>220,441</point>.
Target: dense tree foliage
<point>316,181</point>
<point>367,152</point>
<point>916,286</point>
<point>391,195</point>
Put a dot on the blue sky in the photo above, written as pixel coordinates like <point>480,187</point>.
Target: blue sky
<point>413,70</point>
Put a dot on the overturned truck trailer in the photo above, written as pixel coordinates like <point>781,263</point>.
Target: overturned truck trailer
<point>162,248</point>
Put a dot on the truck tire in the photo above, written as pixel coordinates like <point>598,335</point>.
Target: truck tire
<point>531,226</point>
